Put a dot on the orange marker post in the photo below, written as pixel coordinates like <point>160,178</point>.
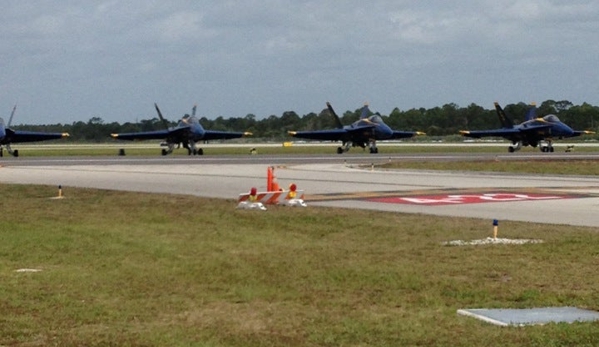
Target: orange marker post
<point>269,177</point>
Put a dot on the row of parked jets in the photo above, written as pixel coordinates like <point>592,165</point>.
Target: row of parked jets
<point>362,133</point>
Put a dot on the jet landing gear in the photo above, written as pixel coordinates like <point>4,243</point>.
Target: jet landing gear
<point>344,148</point>
<point>547,148</point>
<point>169,148</point>
<point>347,145</point>
<point>14,153</point>
<point>372,147</point>
<point>192,149</point>
<point>198,151</point>
<point>516,147</point>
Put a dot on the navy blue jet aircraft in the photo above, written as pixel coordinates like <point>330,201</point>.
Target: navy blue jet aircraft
<point>8,136</point>
<point>365,131</point>
<point>188,133</point>
<point>532,132</point>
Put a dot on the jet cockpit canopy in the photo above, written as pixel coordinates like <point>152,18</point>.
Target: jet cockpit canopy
<point>551,118</point>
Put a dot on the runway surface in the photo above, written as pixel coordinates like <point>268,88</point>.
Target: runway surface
<point>341,181</point>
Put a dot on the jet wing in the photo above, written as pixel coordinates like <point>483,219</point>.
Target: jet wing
<point>582,132</point>
<point>32,136</point>
<point>488,133</point>
<point>405,134</point>
<point>223,135</point>
<point>331,134</point>
<point>504,132</point>
<point>151,135</point>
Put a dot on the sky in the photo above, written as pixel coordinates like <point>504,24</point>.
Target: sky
<point>68,61</point>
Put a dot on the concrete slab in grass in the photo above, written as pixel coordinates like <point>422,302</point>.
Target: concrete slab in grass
<point>531,316</point>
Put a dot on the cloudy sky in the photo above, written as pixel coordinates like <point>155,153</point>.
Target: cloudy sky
<point>67,61</point>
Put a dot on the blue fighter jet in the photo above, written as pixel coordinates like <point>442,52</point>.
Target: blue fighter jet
<point>532,132</point>
<point>188,133</point>
<point>8,136</point>
<point>363,132</point>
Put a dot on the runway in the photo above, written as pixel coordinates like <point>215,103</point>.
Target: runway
<point>340,181</point>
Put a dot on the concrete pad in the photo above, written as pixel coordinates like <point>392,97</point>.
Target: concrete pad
<point>491,241</point>
<point>531,316</point>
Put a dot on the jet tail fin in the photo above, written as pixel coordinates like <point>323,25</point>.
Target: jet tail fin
<point>164,122</point>
<point>506,122</point>
<point>531,113</point>
<point>337,120</point>
<point>11,115</point>
<point>365,111</point>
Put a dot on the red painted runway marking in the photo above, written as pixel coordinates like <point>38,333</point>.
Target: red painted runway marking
<point>456,199</point>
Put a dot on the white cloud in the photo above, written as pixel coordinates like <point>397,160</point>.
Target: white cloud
<point>266,57</point>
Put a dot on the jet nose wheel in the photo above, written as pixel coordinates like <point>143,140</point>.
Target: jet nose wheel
<point>339,150</point>
<point>547,149</point>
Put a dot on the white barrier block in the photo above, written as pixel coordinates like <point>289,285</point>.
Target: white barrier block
<point>280,197</point>
<point>295,203</point>
<point>246,205</point>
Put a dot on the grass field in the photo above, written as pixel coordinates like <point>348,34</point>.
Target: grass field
<point>131,269</point>
<point>231,148</point>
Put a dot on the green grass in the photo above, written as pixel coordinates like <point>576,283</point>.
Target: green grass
<point>149,148</point>
<point>131,269</point>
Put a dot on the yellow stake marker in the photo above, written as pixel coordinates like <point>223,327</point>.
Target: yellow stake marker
<point>59,196</point>
<point>495,226</point>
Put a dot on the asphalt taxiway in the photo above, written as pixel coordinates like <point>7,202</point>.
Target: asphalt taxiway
<point>339,181</point>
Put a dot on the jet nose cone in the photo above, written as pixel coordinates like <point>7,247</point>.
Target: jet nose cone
<point>385,131</point>
<point>568,130</point>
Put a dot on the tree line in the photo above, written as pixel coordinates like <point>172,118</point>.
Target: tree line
<point>446,120</point>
